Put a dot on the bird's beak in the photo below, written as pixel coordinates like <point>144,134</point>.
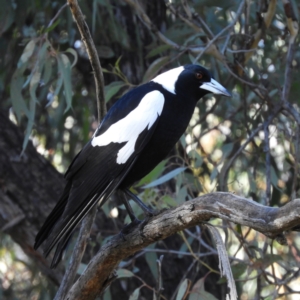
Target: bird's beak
<point>215,87</point>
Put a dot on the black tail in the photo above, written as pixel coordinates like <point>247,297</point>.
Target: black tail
<point>64,228</point>
<point>53,218</point>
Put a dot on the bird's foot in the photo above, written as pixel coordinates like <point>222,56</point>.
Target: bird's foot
<point>150,212</point>
<point>124,231</point>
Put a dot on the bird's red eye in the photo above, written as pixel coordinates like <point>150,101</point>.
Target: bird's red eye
<point>199,75</point>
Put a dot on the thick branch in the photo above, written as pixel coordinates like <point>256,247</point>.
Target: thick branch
<point>271,221</point>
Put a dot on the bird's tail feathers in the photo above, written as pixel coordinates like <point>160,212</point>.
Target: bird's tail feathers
<point>61,239</point>
<point>54,216</point>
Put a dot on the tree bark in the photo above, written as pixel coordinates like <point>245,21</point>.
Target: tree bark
<point>29,189</point>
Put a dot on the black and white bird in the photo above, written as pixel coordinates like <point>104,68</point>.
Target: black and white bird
<point>136,134</point>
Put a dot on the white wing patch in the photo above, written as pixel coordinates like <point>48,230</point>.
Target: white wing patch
<point>129,128</point>
<point>168,79</point>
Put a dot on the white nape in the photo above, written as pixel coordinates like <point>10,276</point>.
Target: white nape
<point>169,78</point>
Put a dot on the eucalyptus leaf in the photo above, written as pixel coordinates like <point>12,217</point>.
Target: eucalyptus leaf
<point>158,50</point>
<point>165,177</point>
<point>17,99</point>
<point>135,294</point>
<point>151,258</point>
<point>198,292</point>
<point>112,89</point>
<point>75,55</point>
<point>155,67</point>
<point>123,273</point>
<point>28,51</point>
<point>65,72</point>
<point>182,289</point>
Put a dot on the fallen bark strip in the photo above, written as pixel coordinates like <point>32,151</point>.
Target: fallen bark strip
<point>271,221</point>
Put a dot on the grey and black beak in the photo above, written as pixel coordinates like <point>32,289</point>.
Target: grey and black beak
<point>215,87</point>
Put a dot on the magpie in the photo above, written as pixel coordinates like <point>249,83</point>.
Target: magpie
<point>136,134</point>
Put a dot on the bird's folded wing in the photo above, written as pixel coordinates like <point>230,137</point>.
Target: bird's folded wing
<point>100,168</point>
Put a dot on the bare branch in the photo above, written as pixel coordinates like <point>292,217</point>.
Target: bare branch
<point>268,163</point>
<point>293,26</point>
<point>93,56</point>
<point>271,221</point>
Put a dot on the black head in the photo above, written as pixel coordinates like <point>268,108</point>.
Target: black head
<point>192,80</point>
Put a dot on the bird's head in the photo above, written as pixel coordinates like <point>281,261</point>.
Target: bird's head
<point>191,79</point>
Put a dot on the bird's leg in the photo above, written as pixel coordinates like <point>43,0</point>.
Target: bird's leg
<point>134,220</point>
<point>129,210</point>
<point>147,210</point>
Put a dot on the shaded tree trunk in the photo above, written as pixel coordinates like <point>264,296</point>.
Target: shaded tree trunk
<point>29,188</point>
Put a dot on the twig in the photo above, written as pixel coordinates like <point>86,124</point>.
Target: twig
<point>57,14</point>
<point>93,56</point>
<point>268,164</point>
<point>296,165</point>
<point>293,26</point>
<point>159,278</point>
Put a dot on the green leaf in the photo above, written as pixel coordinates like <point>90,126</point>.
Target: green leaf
<point>155,67</point>
<point>158,50</point>
<point>74,53</point>
<point>32,105</point>
<point>112,89</point>
<point>50,28</point>
<point>17,100</point>
<point>105,52</point>
<point>226,149</point>
<point>182,289</point>
<point>182,195</point>
<point>167,201</point>
<point>123,273</point>
<point>59,83</point>
<point>165,177</point>
<point>65,70</point>
<point>151,258</point>
<point>153,174</point>
<point>197,158</point>
<point>237,271</point>
<point>214,174</point>
<point>135,294</point>
<point>47,70</point>
<point>28,51</point>
<point>198,292</point>
<point>7,16</point>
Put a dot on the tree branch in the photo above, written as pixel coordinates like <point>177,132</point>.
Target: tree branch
<point>271,221</point>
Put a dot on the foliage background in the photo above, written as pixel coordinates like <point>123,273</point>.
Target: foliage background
<point>47,89</point>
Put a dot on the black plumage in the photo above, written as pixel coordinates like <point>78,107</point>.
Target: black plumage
<point>136,134</point>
